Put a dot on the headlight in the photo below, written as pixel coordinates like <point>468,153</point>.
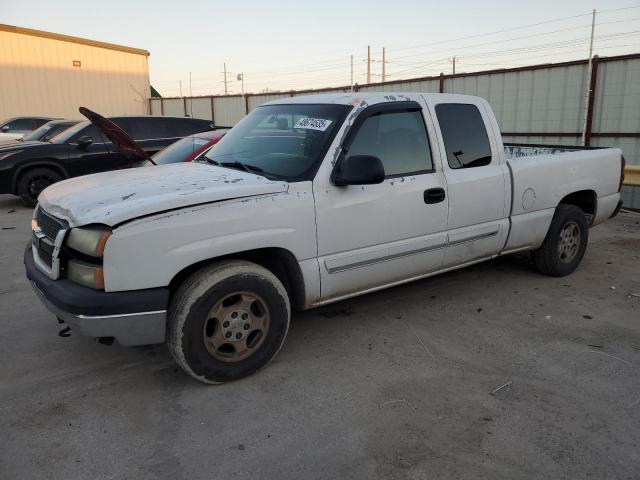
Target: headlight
<point>90,241</point>
<point>86,274</point>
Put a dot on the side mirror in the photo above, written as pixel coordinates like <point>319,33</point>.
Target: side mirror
<point>84,141</point>
<point>5,128</point>
<point>358,170</point>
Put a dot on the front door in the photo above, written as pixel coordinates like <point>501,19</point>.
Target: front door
<point>375,235</point>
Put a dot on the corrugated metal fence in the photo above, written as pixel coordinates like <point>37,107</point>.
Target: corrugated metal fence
<point>533,104</point>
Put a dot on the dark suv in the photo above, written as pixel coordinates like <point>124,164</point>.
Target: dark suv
<point>29,167</point>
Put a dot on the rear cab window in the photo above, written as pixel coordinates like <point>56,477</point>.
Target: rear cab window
<point>464,134</point>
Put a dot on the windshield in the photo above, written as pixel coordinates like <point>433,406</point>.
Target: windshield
<point>284,141</point>
<point>46,132</point>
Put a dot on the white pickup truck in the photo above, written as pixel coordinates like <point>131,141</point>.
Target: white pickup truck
<point>307,201</point>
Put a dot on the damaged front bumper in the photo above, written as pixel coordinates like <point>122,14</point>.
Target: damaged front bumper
<point>135,317</point>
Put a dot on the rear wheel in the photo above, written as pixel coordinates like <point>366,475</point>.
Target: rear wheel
<point>33,181</point>
<point>227,321</point>
<point>565,243</point>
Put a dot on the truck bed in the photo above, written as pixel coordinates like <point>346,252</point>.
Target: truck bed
<point>517,150</point>
<point>542,175</point>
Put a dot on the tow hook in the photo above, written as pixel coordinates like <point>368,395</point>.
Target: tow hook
<point>65,331</point>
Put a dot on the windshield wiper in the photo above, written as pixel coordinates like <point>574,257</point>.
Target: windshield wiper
<point>241,166</point>
<point>247,167</point>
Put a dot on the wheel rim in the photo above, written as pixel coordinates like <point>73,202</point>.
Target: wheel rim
<point>569,242</point>
<point>236,326</point>
<point>39,183</point>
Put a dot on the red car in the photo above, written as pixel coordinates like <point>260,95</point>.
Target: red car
<point>188,148</point>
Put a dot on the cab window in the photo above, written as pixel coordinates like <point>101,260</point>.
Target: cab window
<point>398,138</point>
<point>465,135</point>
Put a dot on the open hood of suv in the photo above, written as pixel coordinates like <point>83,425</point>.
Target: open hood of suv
<point>110,198</point>
<point>123,142</point>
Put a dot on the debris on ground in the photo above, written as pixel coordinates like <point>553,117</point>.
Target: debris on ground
<point>496,390</point>
<point>8,228</point>
<point>588,317</point>
<point>622,360</point>
<point>12,210</point>
<point>402,400</point>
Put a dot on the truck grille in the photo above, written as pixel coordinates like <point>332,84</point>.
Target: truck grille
<point>49,224</point>
<point>45,255</point>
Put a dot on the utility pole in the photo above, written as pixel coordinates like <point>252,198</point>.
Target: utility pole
<point>180,88</point>
<point>190,97</point>
<point>240,77</point>
<point>384,65</point>
<point>453,62</point>
<point>226,90</point>
<point>588,89</point>
<point>368,63</point>
<point>352,73</point>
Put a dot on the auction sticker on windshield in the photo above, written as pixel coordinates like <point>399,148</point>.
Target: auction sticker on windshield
<point>313,123</point>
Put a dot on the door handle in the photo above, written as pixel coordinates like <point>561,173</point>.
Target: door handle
<point>434,195</point>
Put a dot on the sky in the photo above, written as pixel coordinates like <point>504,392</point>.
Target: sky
<point>282,45</point>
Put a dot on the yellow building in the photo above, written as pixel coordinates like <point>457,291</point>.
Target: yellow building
<point>47,74</point>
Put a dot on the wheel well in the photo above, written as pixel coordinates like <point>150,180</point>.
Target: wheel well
<point>31,166</point>
<point>282,263</point>
<point>586,200</point>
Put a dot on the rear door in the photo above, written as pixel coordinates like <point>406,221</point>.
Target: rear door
<point>375,235</point>
<point>477,178</point>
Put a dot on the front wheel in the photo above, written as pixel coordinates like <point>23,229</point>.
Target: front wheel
<point>227,321</point>
<point>565,243</point>
<point>32,182</point>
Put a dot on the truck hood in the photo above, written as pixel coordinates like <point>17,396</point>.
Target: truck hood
<point>110,198</point>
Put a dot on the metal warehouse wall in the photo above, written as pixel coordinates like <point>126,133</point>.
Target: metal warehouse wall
<point>535,104</point>
<point>38,76</point>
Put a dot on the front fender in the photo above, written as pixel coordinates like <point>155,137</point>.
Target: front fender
<point>150,251</point>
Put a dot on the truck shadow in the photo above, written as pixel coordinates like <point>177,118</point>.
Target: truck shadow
<point>431,287</point>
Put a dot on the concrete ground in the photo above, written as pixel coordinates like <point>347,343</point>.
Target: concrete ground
<point>395,384</point>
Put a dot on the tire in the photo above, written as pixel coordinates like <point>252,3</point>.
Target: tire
<point>208,317</point>
<point>565,243</point>
<point>33,181</point>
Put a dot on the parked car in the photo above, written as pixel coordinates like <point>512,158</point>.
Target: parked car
<point>16,128</point>
<point>184,150</point>
<point>47,131</point>
<point>83,149</point>
<point>189,148</point>
<point>307,201</point>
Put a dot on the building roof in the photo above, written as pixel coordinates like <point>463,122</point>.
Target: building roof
<point>68,38</point>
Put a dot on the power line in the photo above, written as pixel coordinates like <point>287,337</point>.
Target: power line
<point>516,51</point>
<point>289,75</point>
